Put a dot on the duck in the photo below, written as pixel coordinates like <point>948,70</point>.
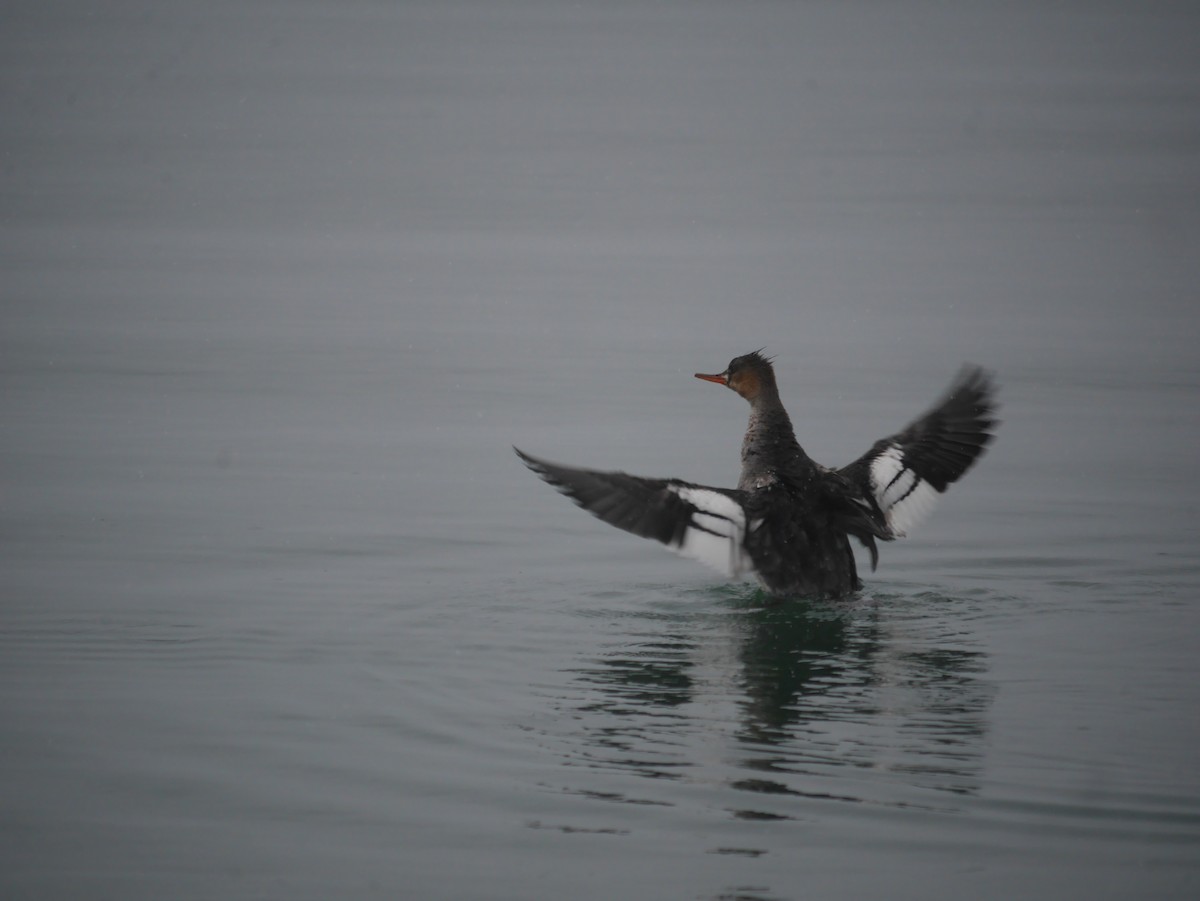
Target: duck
<point>789,521</point>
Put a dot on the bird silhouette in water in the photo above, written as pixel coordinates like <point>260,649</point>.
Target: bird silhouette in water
<point>789,520</point>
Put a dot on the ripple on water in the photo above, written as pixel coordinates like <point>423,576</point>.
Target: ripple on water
<point>726,699</point>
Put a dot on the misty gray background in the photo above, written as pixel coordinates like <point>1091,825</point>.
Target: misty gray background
<point>282,616</point>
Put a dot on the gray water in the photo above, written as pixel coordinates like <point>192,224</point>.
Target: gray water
<point>282,615</point>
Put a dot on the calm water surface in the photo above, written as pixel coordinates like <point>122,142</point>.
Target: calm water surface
<point>283,617</point>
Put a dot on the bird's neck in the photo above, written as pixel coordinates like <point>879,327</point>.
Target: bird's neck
<point>770,449</point>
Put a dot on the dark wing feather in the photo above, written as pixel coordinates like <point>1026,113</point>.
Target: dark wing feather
<point>903,475</point>
<point>706,524</point>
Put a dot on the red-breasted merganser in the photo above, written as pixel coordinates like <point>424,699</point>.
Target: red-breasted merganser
<point>789,520</point>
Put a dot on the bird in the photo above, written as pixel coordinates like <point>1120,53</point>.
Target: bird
<point>789,520</point>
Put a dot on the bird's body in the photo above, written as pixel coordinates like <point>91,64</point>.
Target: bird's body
<point>790,519</point>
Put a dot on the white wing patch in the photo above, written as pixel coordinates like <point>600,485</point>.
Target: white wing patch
<point>716,531</point>
<point>903,496</point>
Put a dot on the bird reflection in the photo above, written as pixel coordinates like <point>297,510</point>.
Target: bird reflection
<point>853,701</point>
<point>830,687</point>
<point>788,653</point>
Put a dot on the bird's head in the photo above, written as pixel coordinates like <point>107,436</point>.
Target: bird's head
<point>750,375</point>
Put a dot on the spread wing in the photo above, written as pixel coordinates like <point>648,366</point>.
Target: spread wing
<point>706,524</point>
<point>903,475</point>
